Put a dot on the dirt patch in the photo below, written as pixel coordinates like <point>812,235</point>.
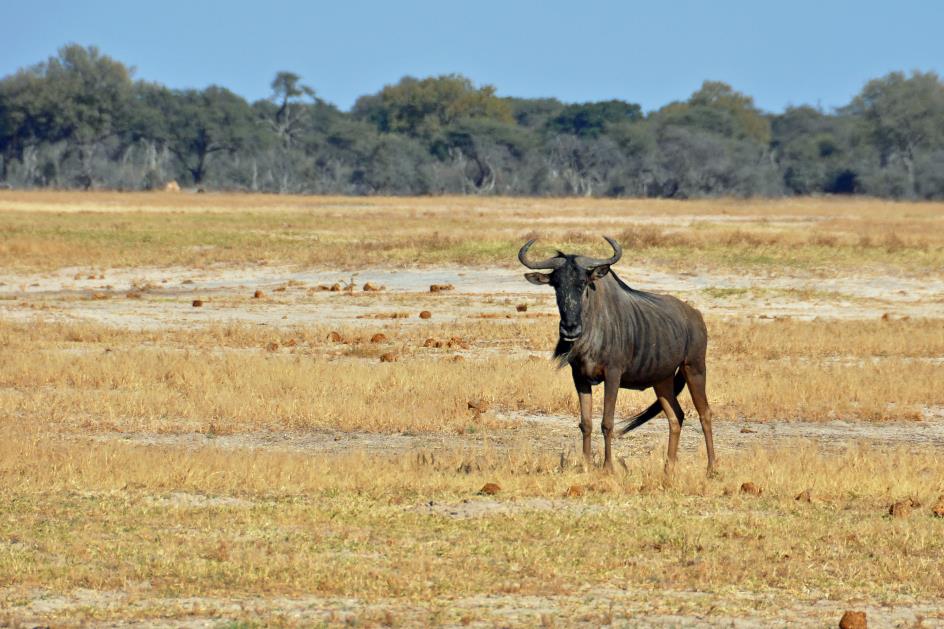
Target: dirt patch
<point>184,500</point>
<point>485,507</point>
<point>228,294</point>
<point>139,606</point>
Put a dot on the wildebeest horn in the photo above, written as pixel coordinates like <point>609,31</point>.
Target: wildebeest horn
<point>590,263</point>
<point>551,263</point>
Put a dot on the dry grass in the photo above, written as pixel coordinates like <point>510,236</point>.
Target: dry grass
<point>47,230</point>
<point>108,517</point>
<point>230,379</point>
<point>157,526</point>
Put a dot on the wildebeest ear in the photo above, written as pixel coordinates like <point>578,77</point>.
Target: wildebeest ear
<point>599,271</point>
<point>538,278</point>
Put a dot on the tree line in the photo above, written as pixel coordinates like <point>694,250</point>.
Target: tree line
<point>81,120</point>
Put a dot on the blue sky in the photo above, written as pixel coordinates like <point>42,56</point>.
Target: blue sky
<point>798,52</point>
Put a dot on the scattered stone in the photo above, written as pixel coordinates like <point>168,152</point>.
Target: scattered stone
<point>853,620</point>
<point>804,496</point>
<point>335,337</point>
<point>99,296</point>
<point>938,509</point>
<point>455,342</point>
<point>902,508</point>
<point>431,342</point>
<point>372,288</point>
<point>258,294</point>
<point>751,488</point>
<point>574,491</point>
<point>290,343</point>
<point>389,357</point>
<point>747,431</point>
<point>489,489</point>
<point>457,358</point>
<point>521,307</point>
<point>134,295</point>
<point>279,289</point>
<point>272,346</point>
<point>335,288</point>
<point>479,406</point>
<point>426,314</point>
<point>197,303</point>
<point>438,288</point>
<point>187,282</point>
<point>380,337</point>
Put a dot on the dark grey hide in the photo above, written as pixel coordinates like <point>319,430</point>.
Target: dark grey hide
<point>625,338</point>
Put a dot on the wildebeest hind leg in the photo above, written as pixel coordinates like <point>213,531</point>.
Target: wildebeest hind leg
<point>673,412</point>
<point>695,378</point>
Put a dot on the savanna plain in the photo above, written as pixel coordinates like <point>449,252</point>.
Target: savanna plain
<point>226,410</point>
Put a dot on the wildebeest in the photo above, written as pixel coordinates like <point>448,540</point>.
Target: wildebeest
<point>628,339</point>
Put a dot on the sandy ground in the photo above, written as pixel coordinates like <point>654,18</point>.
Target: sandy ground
<point>560,434</point>
<point>227,294</point>
<point>584,608</point>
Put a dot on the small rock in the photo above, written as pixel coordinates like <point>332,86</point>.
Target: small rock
<point>426,314</point>
<point>133,295</point>
<point>521,307</point>
<point>938,509</point>
<point>457,359</point>
<point>747,431</point>
<point>853,620</point>
<point>99,296</point>
<point>197,303</point>
<point>371,288</point>
<point>187,282</point>
<point>902,508</point>
<point>886,317</point>
<point>258,294</point>
<point>804,496</point>
<point>380,337</point>
<point>489,489</point>
<point>574,491</point>
<point>751,488</point>
<point>479,406</point>
<point>334,337</point>
<point>272,346</point>
<point>430,342</point>
<point>438,288</point>
<point>389,357</point>
<point>335,288</point>
<point>279,289</point>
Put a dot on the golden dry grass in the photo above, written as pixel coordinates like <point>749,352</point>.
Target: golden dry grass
<point>215,522</point>
<point>84,512</point>
<point>46,230</point>
<point>230,379</point>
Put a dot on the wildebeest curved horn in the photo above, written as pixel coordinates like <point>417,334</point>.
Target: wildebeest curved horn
<point>589,263</point>
<point>551,263</point>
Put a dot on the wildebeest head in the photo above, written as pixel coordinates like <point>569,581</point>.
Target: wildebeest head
<point>571,276</point>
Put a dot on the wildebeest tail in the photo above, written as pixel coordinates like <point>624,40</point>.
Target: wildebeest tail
<point>655,408</point>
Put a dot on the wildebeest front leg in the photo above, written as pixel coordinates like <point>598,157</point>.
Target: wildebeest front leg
<point>611,387</point>
<point>585,395</point>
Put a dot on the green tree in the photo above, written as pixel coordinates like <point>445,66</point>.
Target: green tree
<point>201,123</point>
<point>903,116</point>
<point>593,119</point>
<point>425,107</point>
